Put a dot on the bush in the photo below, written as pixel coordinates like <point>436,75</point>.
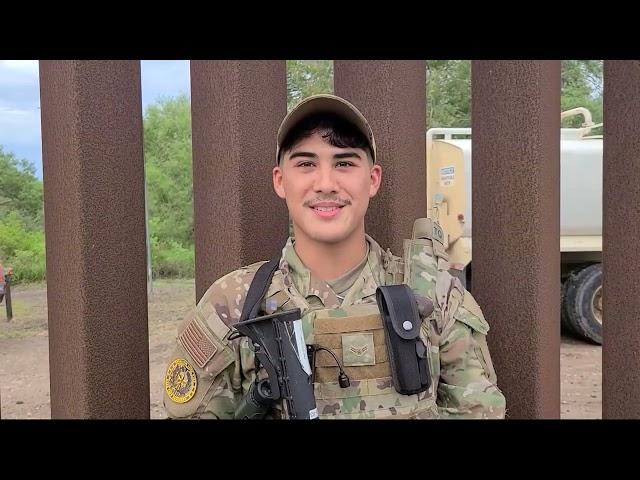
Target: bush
<point>22,249</point>
<point>171,259</point>
<point>28,266</point>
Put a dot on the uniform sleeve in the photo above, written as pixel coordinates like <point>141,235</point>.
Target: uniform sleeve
<point>204,377</point>
<point>468,384</point>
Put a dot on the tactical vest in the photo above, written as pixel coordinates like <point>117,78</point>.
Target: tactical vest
<point>355,335</point>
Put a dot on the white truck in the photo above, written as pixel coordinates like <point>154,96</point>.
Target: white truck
<point>449,200</point>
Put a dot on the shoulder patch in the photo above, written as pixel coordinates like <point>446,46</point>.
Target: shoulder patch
<point>198,343</point>
<point>438,233</point>
<point>180,381</point>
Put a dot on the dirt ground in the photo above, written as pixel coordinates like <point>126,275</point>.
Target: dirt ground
<point>24,351</point>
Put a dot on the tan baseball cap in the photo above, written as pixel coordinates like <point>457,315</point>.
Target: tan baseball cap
<point>330,104</point>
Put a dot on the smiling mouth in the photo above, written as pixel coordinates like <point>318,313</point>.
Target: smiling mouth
<point>327,211</point>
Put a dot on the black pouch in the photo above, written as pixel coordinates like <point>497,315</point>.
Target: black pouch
<point>407,353</point>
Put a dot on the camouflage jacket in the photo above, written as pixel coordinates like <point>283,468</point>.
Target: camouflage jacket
<point>208,374</point>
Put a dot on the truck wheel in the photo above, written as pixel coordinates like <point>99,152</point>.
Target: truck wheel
<point>582,303</point>
<point>564,316</point>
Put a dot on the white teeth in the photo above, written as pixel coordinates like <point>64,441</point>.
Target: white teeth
<point>325,209</point>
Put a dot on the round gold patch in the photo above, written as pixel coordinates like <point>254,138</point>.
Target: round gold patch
<point>180,381</point>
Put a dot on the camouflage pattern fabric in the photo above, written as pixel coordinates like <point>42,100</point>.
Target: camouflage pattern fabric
<point>454,331</point>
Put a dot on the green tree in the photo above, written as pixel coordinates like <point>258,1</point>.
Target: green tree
<point>449,91</point>
<point>20,190</point>
<point>168,169</point>
<point>21,232</point>
<point>308,77</point>
<point>581,86</point>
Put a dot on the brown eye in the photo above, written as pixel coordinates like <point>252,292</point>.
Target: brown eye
<point>344,164</point>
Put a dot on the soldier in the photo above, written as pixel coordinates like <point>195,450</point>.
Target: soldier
<point>326,171</point>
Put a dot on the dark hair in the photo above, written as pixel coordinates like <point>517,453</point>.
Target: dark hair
<point>338,132</point>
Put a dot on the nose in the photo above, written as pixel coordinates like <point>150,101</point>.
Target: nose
<point>325,179</point>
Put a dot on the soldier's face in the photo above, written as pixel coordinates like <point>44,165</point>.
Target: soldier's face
<point>327,189</point>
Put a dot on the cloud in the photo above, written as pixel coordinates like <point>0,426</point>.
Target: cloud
<point>17,75</point>
<point>19,86</point>
<point>19,126</point>
<point>29,67</point>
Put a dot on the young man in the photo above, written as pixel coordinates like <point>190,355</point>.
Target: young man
<point>326,172</point>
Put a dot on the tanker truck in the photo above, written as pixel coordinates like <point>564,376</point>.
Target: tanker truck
<point>449,200</point>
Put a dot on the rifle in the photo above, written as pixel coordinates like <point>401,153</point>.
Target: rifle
<point>279,346</point>
<point>278,342</point>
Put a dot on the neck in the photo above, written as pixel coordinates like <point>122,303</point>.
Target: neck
<point>328,261</point>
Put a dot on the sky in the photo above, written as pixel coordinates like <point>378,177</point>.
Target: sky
<point>20,101</point>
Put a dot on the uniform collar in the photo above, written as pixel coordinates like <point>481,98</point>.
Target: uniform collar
<point>298,277</point>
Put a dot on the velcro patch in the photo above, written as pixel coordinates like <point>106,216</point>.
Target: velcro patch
<point>438,233</point>
<point>358,349</point>
<point>197,343</point>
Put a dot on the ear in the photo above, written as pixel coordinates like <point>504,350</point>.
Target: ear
<point>376,179</point>
<point>277,182</point>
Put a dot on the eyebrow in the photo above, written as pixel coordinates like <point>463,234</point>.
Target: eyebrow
<point>347,155</point>
<point>313,155</point>
<point>303,154</point>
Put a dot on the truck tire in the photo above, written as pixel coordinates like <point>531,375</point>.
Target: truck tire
<point>582,303</point>
<point>565,324</point>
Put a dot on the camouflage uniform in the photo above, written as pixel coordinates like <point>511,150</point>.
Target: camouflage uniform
<point>208,374</point>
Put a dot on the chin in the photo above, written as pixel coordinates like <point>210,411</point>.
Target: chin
<point>326,235</point>
<point>328,238</point>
